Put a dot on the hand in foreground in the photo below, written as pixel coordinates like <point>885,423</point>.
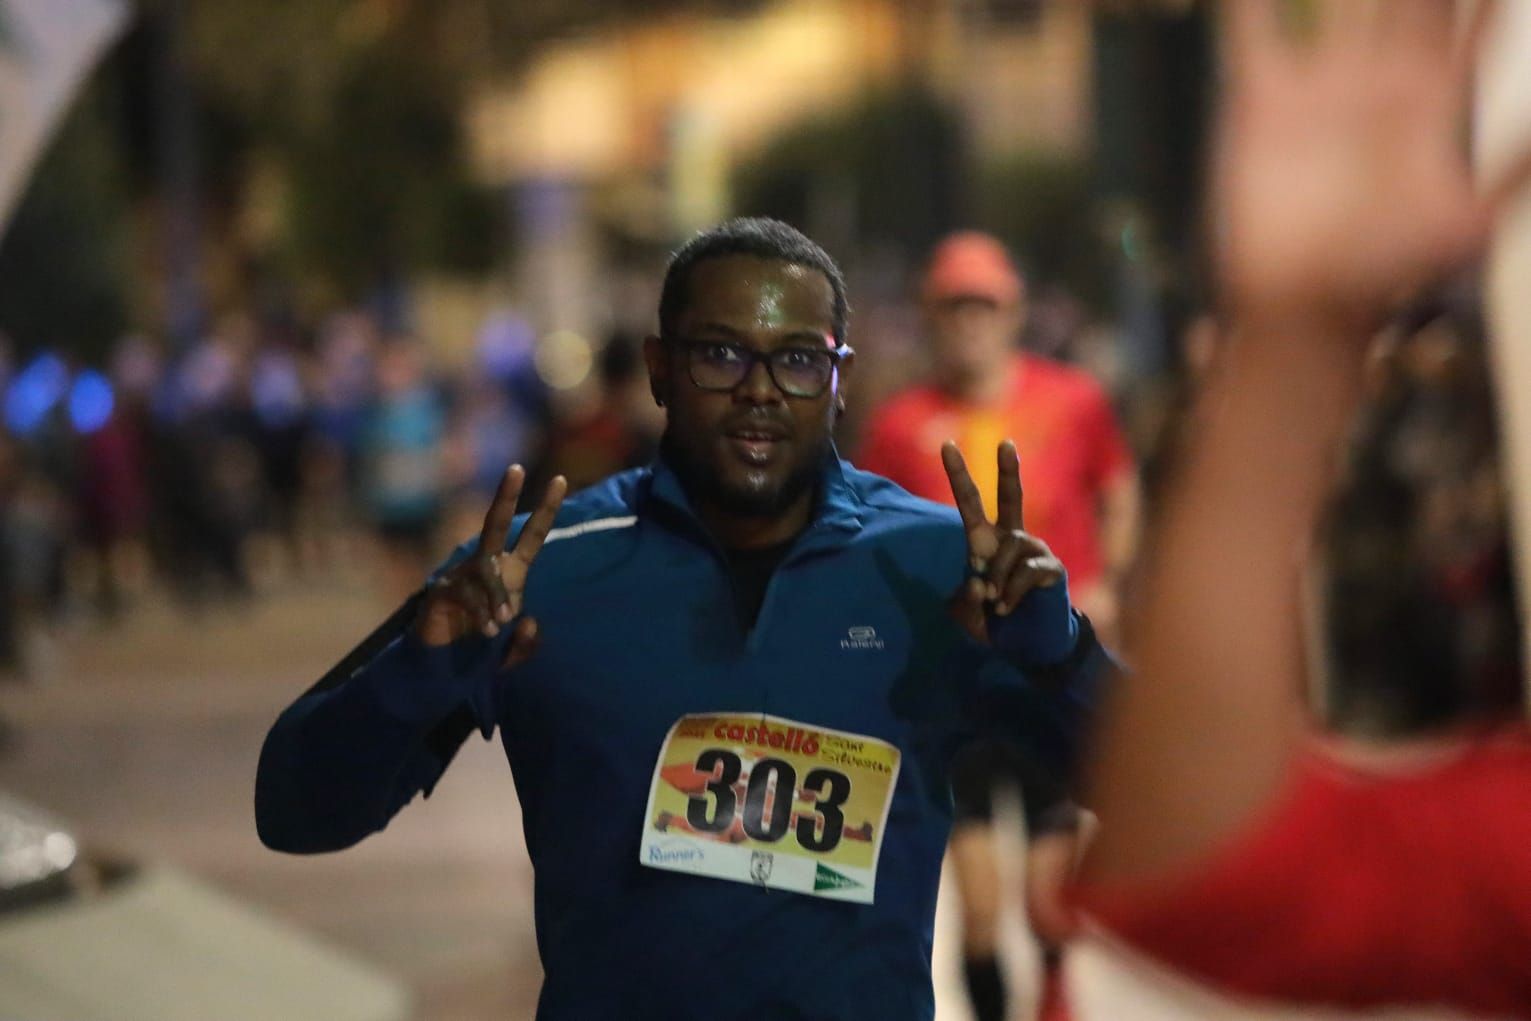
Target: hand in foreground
<point>1341,178</point>
<point>1004,561</point>
<point>484,592</point>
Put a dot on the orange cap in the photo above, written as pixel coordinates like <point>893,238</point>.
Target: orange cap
<point>971,264</point>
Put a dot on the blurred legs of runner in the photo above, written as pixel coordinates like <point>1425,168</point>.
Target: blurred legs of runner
<point>975,858</point>
<point>981,859</point>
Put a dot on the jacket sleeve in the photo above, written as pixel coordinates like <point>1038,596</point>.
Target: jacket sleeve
<point>1041,633</point>
<point>1046,709</point>
<point>375,731</point>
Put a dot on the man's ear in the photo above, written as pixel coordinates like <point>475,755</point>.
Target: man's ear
<point>657,357</point>
<point>842,370</point>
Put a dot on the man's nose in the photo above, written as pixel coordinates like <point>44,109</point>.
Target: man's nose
<point>758,387</point>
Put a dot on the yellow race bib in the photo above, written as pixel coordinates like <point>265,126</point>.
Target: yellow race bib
<point>773,802</point>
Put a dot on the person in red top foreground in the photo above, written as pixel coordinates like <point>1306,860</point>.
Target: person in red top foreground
<point>1082,493</point>
<point>1246,866</point>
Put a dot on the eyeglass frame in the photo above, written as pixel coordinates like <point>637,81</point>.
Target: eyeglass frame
<point>753,357</point>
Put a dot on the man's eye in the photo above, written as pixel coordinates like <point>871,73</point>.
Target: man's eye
<point>719,353</point>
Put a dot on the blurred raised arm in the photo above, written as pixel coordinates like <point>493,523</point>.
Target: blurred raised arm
<point>1341,187</point>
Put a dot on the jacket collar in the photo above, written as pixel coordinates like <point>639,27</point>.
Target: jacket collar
<point>836,518</point>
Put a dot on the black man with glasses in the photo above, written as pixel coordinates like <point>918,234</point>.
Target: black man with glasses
<point>729,685</point>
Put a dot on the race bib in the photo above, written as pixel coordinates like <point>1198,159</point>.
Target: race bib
<point>780,804</point>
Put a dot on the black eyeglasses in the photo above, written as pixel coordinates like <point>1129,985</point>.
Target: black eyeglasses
<point>719,366</point>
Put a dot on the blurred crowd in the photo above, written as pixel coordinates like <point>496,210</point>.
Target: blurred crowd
<point>267,453</point>
<point>273,450</point>
<point>270,452</point>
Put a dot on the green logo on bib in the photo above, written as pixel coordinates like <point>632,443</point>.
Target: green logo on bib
<point>829,879</point>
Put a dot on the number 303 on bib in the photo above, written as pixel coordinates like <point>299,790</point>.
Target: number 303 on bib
<point>770,802</point>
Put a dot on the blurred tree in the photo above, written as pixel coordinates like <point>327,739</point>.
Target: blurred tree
<point>334,123</point>
<point>357,105</point>
<point>353,107</point>
<point>289,57</point>
<point>383,186</point>
<point>65,262</point>
<point>361,100</point>
<point>1042,204</point>
<point>889,170</point>
<point>894,171</point>
<point>1153,75</point>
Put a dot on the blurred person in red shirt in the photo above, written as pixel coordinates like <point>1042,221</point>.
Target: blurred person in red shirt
<point>1081,483</point>
<point>1248,865</point>
<point>1081,487</point>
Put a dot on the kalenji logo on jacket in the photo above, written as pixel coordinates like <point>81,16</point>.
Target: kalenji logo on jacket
<point>861,638</point>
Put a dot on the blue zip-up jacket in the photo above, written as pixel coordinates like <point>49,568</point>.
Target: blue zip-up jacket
<point>638,627</point>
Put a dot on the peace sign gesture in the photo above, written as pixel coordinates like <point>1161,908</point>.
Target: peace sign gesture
<point>1004,561</point>
<point>485,590</point>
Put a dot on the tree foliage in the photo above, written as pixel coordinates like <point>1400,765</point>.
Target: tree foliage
<point>66,256</point>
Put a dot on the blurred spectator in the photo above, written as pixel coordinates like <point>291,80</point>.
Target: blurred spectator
<point>504,404</point>
<point>340,379</point>
<point>494,435</point>
<point>625,379</point>
<point>1081,498</point>
<point>400,454</point>
<point>281,423</point>
<point>612,429</point>
<point>36,531</point>
<point>506,354</point>
<point>199,469</point>
<point>113,492</point>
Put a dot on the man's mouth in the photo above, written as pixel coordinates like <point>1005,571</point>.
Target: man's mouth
<point>756,446</point>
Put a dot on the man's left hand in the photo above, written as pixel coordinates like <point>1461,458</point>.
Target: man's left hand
<point>1004,561</point>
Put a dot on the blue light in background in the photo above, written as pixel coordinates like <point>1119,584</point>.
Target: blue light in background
<point>34,393</point>
<point>90,401</point>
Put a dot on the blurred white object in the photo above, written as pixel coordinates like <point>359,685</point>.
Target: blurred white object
<point>157,945</point>
<point>35,852</point>
<point>46,48</point>
<point>81,938</point>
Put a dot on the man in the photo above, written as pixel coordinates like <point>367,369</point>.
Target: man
<point>1082,499</point>
<point>1081,484</point>
<point>729,686</point>
<point>1272,868</point>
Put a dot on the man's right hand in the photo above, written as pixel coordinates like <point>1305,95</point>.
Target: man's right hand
<point>484,592</point>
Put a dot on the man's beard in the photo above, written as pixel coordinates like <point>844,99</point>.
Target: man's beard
<point>704,485</point>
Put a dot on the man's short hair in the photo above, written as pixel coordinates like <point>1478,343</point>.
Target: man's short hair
<point>761,237</point>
